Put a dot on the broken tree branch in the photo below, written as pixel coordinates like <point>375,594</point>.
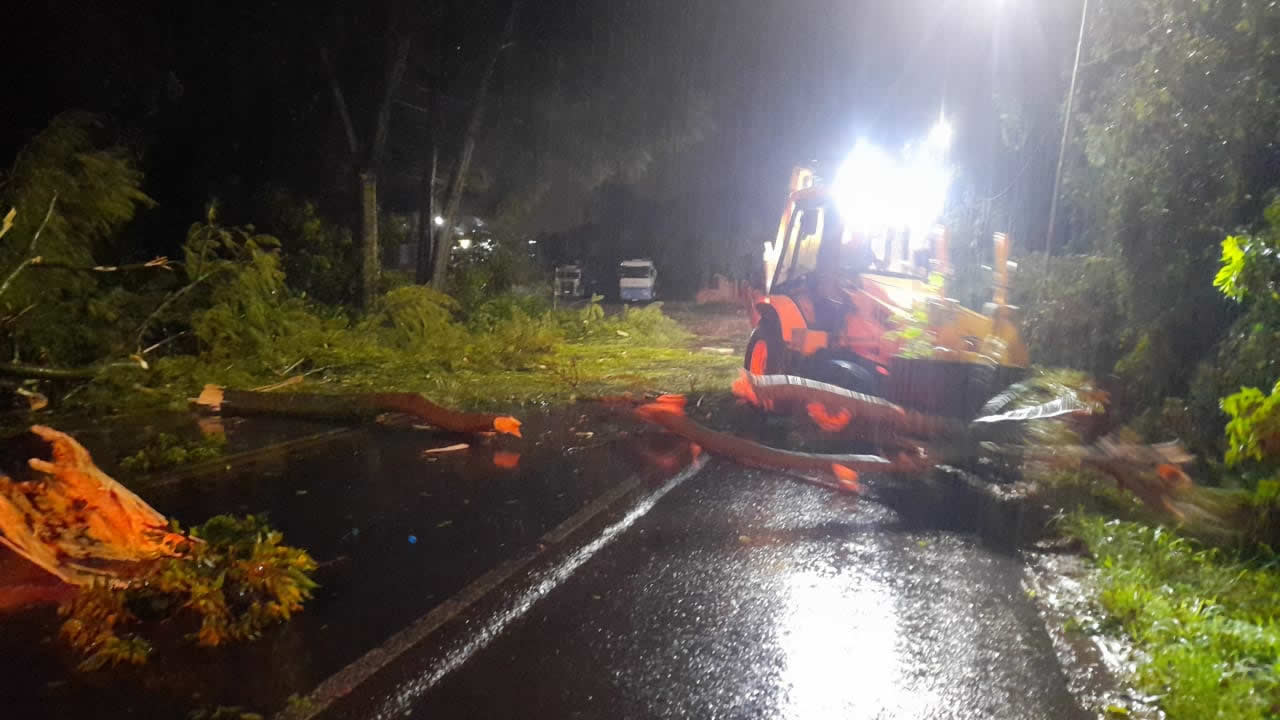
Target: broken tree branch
<point>668,413</point>
<point>31,247</point>
<point>173,297</point>
<point>354,407</point>
<point>160,263</point>
<point>39,372</point>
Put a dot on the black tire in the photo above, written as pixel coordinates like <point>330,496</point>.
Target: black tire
<point>766,339</point>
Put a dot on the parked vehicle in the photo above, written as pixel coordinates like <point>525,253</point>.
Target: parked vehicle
<point>569,281</point>
<point>636,279</point>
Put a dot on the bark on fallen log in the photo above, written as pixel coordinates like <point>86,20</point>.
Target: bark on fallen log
<point>358,407</point>
<point>668,413</point>
<point>834,408</point>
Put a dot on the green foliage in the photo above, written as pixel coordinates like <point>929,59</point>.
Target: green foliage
<point>479,273</point>
<point>1077,314</point>
<point>1208,623</point>
<point>1251,264</point>
<point>1250,355</point>
<point>319,257</point>
<point>1171,122</point>
<point>223,712</point>
<point>506,306</point>
<point>98,191</point>
<point>230,587</point>
<point>592,312</point>
<point>635,324</point>
<point>1253,432</point>
<point>166,451</point>
<point>416,318</point>
<point>522,340</point>
<point>246,289</point>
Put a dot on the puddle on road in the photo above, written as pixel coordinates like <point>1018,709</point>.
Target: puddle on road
<point>396,534</point>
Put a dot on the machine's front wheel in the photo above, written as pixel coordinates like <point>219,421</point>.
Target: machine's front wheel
<point>766,353</point>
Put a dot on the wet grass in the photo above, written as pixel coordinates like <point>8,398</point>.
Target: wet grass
<point>641,353</point>
<point>1207,622</point>
<point>573,371</point>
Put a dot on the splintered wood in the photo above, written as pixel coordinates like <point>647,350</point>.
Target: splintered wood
<point>78,523</point>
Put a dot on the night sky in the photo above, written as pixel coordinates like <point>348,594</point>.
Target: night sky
<point>714,97</point>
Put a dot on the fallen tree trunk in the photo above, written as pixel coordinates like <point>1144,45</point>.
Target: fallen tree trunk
<point>668,413</point>
<point>834,408</point>
<point>78,523</point>
<point>357,407</point>
<point>1150,472</point>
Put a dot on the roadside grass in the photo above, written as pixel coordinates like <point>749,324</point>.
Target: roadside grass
<point>517,359</point>
<point>576,370</point>
<point>1207,621</point>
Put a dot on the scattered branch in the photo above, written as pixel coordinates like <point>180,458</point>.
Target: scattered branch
<point>31,247</point>
<point>8,221</point>
<point>161,263</point>
<point>164,342</point>
<point>142,329</point>
<point>357,406</point>
<point>39,372</point>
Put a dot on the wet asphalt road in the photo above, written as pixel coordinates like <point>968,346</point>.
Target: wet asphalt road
<point>742,594</point>
<point>713,591</point>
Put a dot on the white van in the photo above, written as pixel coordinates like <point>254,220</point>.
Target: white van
<point>636,279</point>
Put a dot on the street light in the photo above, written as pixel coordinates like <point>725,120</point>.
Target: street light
<point>1062,146</point>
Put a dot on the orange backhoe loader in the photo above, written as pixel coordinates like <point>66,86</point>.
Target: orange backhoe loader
<point>866,309</point>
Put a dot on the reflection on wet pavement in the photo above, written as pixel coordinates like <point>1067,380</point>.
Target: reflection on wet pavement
<point>839,638</point>
<point>396,535</point>
<point>742,594</point>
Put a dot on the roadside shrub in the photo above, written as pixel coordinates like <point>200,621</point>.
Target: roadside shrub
<point>1076,315</point>
<point>416,318</point>
<point>520,340</point>
<point>98,190</point>
<point>504,307</point>
<point>647,324</point>
<point>319,257</point>
<point>481,273</point>
<point>1249,357</point>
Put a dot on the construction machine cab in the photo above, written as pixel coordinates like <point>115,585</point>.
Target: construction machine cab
<point>866,307</point>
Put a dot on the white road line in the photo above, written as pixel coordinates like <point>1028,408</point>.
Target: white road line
<point>401,702</point>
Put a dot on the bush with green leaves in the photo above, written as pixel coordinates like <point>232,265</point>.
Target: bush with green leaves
<point>482,273</point>
<point>320,257</point>
<point>418,319</point>
<point>1207,621</point>
<point>235,579</point>
<point>1253,433</point>
<point>635,324</point>
<point>1250,355</point>
<point>1076,314</point>
<point>88,190</point>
